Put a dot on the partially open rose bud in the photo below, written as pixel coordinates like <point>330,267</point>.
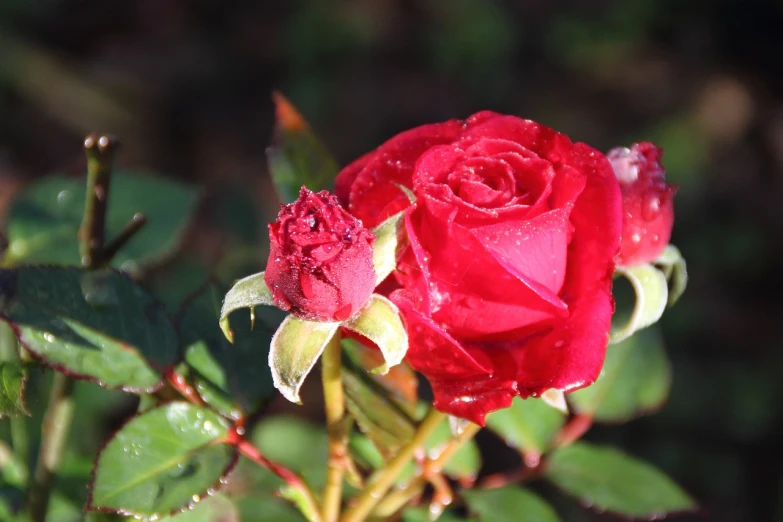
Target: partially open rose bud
<point>648,209</point>
<point>320,260</point>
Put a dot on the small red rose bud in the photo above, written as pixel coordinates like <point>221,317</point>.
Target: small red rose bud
<point>648,209</point>
<point>320,261</point>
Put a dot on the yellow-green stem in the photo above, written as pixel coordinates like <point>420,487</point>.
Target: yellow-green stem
<point>380,482</point>
<point>398,498</point>
<point>54,433</point>
<point>334,406</point>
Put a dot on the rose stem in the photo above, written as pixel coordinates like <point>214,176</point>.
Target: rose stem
<point>310,507</point>
<point>59,411</point>
<point>9,351</point>
<point>398,498</point>
<point>380,482</point>
<point>334,406</point>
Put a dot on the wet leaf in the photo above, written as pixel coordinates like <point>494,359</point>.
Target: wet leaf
<point>245,293</point>
<point>13,378</point>
<point>528,424</point>
<point>296,346</point>
<point>297,157</point>
<point>390,241</point>
<point>45,217</point>
<point>651,290</point>
<point>509,504</point>
<point>635,379</point>
<point>217,508</point>
<point>97,325</point>
<point>610,480</point>
<point>233,378</point>
<point>380,322</point>
<point>162,461</point>
<point>420,514</point>
<point>673,266</point>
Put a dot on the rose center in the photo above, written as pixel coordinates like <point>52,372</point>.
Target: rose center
<point>483,182</point>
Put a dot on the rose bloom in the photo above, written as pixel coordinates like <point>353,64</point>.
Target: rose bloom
<point>506,287</point>
<point>320,259</point>
<point>648,202</point>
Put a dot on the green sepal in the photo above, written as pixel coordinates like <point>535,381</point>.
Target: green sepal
<point>652,293</point>
<point>380,322</point>
<point>296,346</point>
<point>248,292</point>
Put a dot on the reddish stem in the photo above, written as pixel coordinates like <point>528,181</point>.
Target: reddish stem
<point>179,383</point>
<point>573,430</point>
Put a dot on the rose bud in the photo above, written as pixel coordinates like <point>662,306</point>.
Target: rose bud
<point>320,260</point>
<point>506,286</point>
<point>648,209</point>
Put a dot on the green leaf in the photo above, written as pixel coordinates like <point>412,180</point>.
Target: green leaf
<point>13,469</point>
<point>163,460</point>
<point>649,284</point>
<point>390,241</point>
<point>217,508</point>
<point>420,514</point>
<point>297,157</point>
<point>377,415</point>
<point>296,444</point>
<point>635,379</point>
<point>97,325</point>
<point>528,424</point>
<point>674,268</point>
<point>296,346</point>
<point>45,217</point>
<point>13,376</point>
<point>255,491</point>
<point>610,480</point>
<point>380,322</point>
<point>233,378</point>
<point>245,293</point>
<point>509,504</point>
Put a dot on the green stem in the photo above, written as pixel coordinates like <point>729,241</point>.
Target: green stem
<point>380,482</point>
<point>398,498</point>
<point>59,412</point>
<point>100,152</point>
<point>334,406</point>
<point>54,433</point>
<point>9,351</point>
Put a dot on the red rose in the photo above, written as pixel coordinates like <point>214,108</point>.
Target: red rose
<point>648,202</point>
<point>320,259</point>
<point>506,288</point>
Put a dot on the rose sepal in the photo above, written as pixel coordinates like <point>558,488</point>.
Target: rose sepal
<point>296,346</point>
<point>248,292</point>
<point>388,246</point>
<point>380,322</point>
<point>652,293</point>
<point>673,266</point>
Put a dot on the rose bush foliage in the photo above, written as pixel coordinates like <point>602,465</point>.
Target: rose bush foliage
<point>506,285</point>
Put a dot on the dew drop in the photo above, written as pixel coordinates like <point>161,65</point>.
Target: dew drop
<point>49,337</point>
<point>651,207</point>
<point>63,197</point>
<point>196,498</point>
<point>207,425</point>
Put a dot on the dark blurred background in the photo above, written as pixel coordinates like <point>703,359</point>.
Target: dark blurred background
<point>186,87</point>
